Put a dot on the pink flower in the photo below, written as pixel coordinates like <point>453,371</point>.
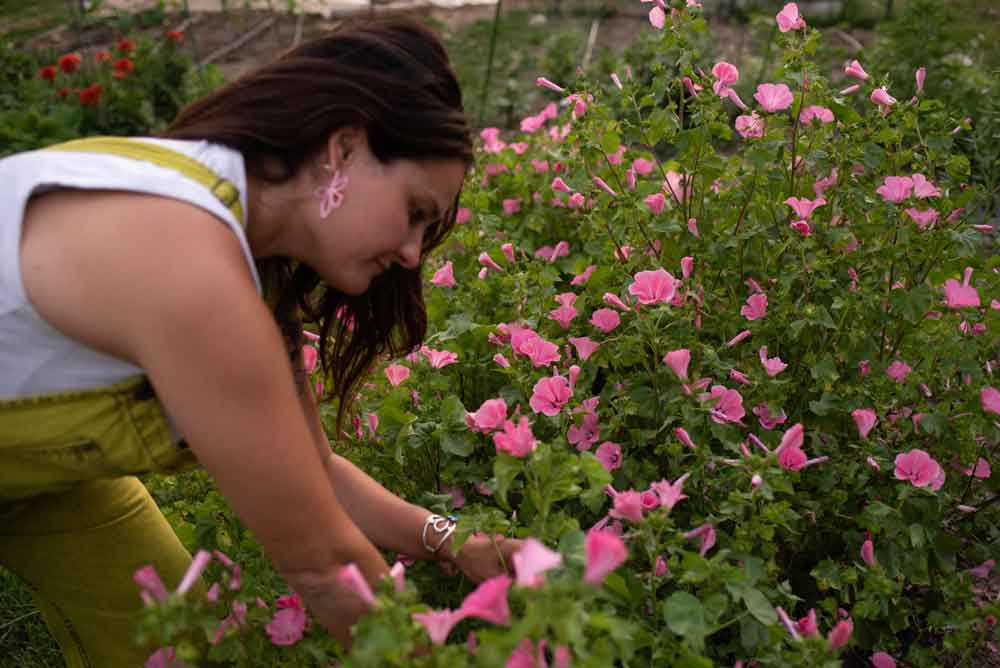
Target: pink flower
<point>657,18</point>
<point>582,277</point>
<point>922,217</point>
<point>397,373</point>
<point>516,440</point>
<point>508,251</point>
<point>898,371</point>
<point>439,358</point>
<point>438,623</point>
<point>445,276</point>
<point>678,361</point>
<point>528,343</point>
<point>803,207</point>
<point>651,287</point>
<point>855,71</point>
<point>961,295</point>
<point>532,560</point>
<point>725,76</point>
<point>739,337</point>
<point>602,184</point>
<point>642,166</point>
<point>768,421</point>
<point>627,505</point>
<point>706,532</point>
<point>165,657</point>
<point>610,455</point>
<point>989,399</point>
<point>684,437</point>
<point>605,552</point>
<point>150,584</point>
<point>486,260</point>
<point>670,493</point>
<point>584,436</point>
<point>789,18</point>
<point>882,659</point>
<point>740,377</point>
<point>840,635</point>
<point>773,97</point>
<point>611,299</point>
<point>729,407</point>
<point>793,438</point>
<point>983,570</point>
<point>584,346</point>
<point>922,188</point>
<point>501,360</point>
<point>792,458</point>
<point>865,419</point>
<point>980,470</point>
<point>289,623</point>
<point>802,227</point>
<point>549,395</point>
<point>772,365</point>
<point>605,319</point>
<point>895,188</point>
<point>490,416</point>
<point>545,83</point>
<point>881,97</point>
<point>750,126</point>
<point>559,185</point>
<point>807,626</point>
<point>687,266</point>
<point>655,203</point>
<point>488,601</point>
<point>868,553</point>
<point>815,112</point>
<point>678,185</point>
<point>920,469</point>
<point>660,568</point>
<point>310,356</point>
<point>563,315</point>
<point>755,308</point>
<point>693,227</point>
<point>349,577</point>
<point>820,185</point>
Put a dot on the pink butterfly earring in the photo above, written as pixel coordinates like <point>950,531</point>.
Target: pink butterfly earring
<point>332,196</point>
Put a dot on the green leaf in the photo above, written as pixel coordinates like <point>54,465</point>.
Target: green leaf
<point>825,371</point>
<point>506,468</point>
<point>457,443</point>
<point>760,607</point>
<point>610,142</point>
<point>685,616</point>
<point>917,536</point>
<point>452,411</point>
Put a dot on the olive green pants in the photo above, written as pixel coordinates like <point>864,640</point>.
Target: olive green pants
<point>75,524</point>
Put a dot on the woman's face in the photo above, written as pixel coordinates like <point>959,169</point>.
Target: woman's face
<point>386,210</point>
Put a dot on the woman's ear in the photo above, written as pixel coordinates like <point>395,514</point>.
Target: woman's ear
<point>342,144</point>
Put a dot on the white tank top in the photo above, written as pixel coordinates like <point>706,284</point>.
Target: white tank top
<point>34,357</point>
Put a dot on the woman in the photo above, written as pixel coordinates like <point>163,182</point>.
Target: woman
<point>135,330</point>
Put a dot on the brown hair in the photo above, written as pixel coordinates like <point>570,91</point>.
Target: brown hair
<point>391,77</point>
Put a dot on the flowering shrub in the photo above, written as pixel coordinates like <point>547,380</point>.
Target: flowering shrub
<point>727,364</point>
<point>134,88</point>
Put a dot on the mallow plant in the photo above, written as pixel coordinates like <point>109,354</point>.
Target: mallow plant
<point>723,357</point>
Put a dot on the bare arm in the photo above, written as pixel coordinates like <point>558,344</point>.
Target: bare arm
<point>179,303</point>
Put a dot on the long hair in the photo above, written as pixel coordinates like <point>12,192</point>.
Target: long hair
<point>393,79</point>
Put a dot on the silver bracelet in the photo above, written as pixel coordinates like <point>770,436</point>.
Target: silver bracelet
<point>441,526</point>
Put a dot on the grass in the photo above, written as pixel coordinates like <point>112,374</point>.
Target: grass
<point>25,642</point>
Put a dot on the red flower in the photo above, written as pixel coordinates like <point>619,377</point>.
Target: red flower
<point>70,62</point>
<point>175,36</point>
<point>90,95</point>
<point>103,56</point>
<point>125,45</point>
<point>62,92</point>
<point>123,68</point>
<point>48,72</point>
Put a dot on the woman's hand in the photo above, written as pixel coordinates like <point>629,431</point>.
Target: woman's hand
<point>482,557</point>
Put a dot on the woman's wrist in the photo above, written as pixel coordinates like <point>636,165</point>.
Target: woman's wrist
<point>436,536</point>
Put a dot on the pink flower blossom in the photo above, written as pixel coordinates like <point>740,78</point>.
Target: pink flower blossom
<point>923,189</point>
<point>445,276</point>
<point>773,97</point>
<point>584,436</point>
<point>545,83</point>
<point>792,458</point>
<point>501,360</point>
<point>582,277</point>
<point>840,635</point>
<point>803,207</point>
<point>980,470</point>
<point>438,623</point>
<point>768,421</point>
<point>898,371</point>
<point>772,365</point>
<point>657,17</point>
<point>868,553</point>
<point>651,287</point>
<point>150,584</point>
<point>678,361</point>
<point>883,659</point>
<point>660,568</point>
<point>687,266</point>
<point>584,346</point>
<point>349,577</point>
<point>605,319</point>
<point>989,398</point>
<point>488,601</point>
<point>739,337</point>
<point>855,71</point>
<point>693,227</point>
<point>920,469</point>
<point>881,97</point>
<point>895,188</point>
<point>518,440</point>
<point>604,186</point>
<point>397,373</point>
<point>820,185</point>
<point>605,552</point>
<point>611,299</point>
<point>983,570</point>
<point>865,419</point>
<point>755,308</point>
<point>678,185</point>
<point>609,454</point>
<point>807,626</point>
<point>729,407</point>
<point>528,343</point>
<point>815,112</point>
<point>751,126</point>
<point>670,493</point>
<point>725,76</point>
<point>439,358</point>
<point>655,203</point>
<point>706,534</point>
<point>789,18</point>
<point>289,623</point>
<point>532,560</point>
<point>924,218</point>
<point>627,505</point>
<point>802,227</point>
<point>490,416</point>
<point>549,395</point>
<point>165,657</point>
<point>850,90</point>
<point>961,295</point>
